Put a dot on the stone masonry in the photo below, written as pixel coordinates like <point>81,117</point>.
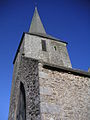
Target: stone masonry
<point>51,94</point>
<point>28,75</point>
<point>63,95</point>
<point>32,44</point>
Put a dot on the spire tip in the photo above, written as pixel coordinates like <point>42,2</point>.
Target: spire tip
<point>35,3</point>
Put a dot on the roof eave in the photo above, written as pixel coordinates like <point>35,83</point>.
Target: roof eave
<point>46,36</point>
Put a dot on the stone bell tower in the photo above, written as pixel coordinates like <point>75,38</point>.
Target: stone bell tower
<point>43,85</point>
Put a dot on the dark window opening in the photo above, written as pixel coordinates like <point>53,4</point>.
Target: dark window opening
<point>44,45</point>
<point>21,106</point>
<point>55,48</point>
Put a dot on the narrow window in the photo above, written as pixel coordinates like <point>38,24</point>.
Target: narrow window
<point>55,48</point>
<point>44,45</point>
<point>21,106</point>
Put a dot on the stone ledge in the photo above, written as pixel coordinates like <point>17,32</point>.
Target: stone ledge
<point>62,69</point>
<point>66,69</point>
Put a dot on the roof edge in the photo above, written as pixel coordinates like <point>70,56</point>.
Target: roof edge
<point>46,36</point>
<point>56,67</point>
<point>66,69</point>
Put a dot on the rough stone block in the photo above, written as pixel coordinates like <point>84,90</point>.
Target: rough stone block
<point>45,91</point>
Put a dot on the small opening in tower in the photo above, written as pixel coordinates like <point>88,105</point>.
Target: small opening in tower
<point>55,48</point>
<point>43,45</point>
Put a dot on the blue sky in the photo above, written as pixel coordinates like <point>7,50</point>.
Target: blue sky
<point>65,19</point>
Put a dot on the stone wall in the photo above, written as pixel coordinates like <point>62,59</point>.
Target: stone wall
<point>14,80</point>
<point>50,94</point>
<point>28,75</point>
<point>63,95</point>
<point>58,56</point>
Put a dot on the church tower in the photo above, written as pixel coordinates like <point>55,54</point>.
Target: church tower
<point>44,85</point>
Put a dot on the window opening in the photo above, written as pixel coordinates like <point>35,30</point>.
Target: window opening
<point>44,45</point>
<point>55,48</point>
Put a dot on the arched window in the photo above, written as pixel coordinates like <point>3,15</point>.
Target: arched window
<point>21,106</point>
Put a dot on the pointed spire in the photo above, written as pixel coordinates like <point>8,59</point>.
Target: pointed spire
<point>36,24</point>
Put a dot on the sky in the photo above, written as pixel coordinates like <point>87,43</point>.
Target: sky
<point>68,20</point>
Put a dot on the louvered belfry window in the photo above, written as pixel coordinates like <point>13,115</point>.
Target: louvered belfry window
<point>44,45</point>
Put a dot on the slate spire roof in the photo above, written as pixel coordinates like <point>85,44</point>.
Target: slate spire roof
<point>36,24</point>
